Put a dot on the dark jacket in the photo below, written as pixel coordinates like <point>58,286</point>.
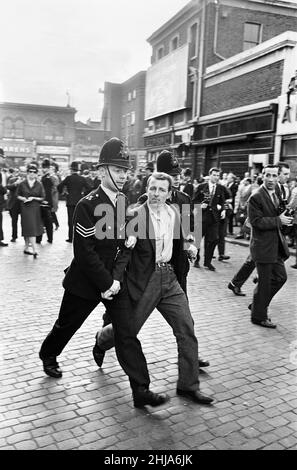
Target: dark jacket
<point>218,199</point>
<point>267,240</point>
<point>76,187</point>
<point>3,191</point>
<point>94,266</point>
<point>142,263</point>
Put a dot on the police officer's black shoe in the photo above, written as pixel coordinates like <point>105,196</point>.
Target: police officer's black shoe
<point>143,396</point>
<point>51,366</point>
<point>98,355</point>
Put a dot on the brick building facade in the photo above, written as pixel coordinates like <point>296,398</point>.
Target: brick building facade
<point>235,72</point>
<point>30,131</point>
<point>123,114</point>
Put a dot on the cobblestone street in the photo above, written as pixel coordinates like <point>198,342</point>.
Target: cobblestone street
<point>252,372</point>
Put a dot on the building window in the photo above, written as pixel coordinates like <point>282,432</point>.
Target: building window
<point>161,123</point>
<point>174,43</point>
<point>252,35</point>
<point>129,96</point>
<point>54,131</point>
<point>19,129</point>
<point>8,128</point>
<point>59,131</point>
<point>193,40</point>
<point>179,117</point>
<point>48,130</point>
<point>134,94</point>
<point>160,52</point>
<point>128,120</point>
<point>132,118</point>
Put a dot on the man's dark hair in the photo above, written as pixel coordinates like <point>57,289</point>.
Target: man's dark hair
<point>271,165</point>
<point>213,169</point>
<point>282,165</point>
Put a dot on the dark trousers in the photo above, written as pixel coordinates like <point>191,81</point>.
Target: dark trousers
<point>222,234</point>
<point>164,293</point>
<point>55,219</point>
<point>244,272</point>
<point>70,212</point>
<point>1,222</point>
<point>271,277</point>
<point>230,223</point>
<point>210,232</point>
<point>14,214</point>
<point>47,221</point>
<point>75,310</point>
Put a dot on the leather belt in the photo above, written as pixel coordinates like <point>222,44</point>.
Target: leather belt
<point>162,264</point>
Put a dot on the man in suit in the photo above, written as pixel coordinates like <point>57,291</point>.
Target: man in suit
<point>148,171</point>
<point>76,186</point>
<point>93,277</point>
<point>3,191</point>
<point>268,245</point>
<point>233,187</point>
<point>13,204</point>
<point>211,196</point>
<point>152,280</point>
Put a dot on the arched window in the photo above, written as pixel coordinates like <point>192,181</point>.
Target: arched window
<point>19,129</point>
<point>8,130</point>
<point>48,130</point>
<point>59,131</point>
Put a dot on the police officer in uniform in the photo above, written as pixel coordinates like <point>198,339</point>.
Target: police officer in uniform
<point>94,277</point>
<point>76,187</point>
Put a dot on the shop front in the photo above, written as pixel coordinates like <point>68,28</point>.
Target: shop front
<point>59,154</point>
<point>17,153</point>
<point>286,138</point>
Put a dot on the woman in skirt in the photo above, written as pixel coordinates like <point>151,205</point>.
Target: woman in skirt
<point>31,192</point>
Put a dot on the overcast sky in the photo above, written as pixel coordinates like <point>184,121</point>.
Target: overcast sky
<point>51,46</point>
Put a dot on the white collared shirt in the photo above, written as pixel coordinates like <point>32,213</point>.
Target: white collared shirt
<point>111,194</point>
<point>163,223</point>
<point>212,187</point>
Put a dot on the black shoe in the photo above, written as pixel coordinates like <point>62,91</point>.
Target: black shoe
<point>142,397</point>
<point>196,264</point>
<point>210,267</point>
<point>265,323</point>
<point>50,241</point>
<point>223,257</point>
<point>3,244</point>
<point>203,363</point>
<point>68,240</point>
<point>235,289</point>
<point>51,366</point>
<point>195,396</point>
<point>35,255</point>
<point>294,266</point>
<point>13,240</point>
<point>98,355</point>
<point>26,252</point>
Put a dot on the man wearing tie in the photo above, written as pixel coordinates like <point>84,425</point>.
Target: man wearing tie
<point>268,246</point>
<point>211,196</point>
<point>3,191</point>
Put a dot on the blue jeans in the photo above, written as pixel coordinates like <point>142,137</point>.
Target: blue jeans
<point>164,293</point>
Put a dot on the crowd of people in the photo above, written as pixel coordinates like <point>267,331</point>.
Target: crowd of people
<point>134,237</point>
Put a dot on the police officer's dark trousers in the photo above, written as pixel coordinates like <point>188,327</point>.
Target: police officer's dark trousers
<point>75,310</point>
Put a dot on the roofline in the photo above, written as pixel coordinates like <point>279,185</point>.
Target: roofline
<point>68,109</point>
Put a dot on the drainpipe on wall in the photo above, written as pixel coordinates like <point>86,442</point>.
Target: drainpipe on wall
<point>215,37</point>
<point>201,57</point>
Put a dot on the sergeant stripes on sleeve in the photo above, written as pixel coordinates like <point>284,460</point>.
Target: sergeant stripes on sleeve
<point>85,232</point>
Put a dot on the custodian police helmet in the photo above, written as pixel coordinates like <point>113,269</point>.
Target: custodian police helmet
<point>168,163</point>
<point>113,153</point>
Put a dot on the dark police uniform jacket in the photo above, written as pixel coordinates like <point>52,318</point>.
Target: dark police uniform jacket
<point>143,256</point>
<point>94,267</point>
